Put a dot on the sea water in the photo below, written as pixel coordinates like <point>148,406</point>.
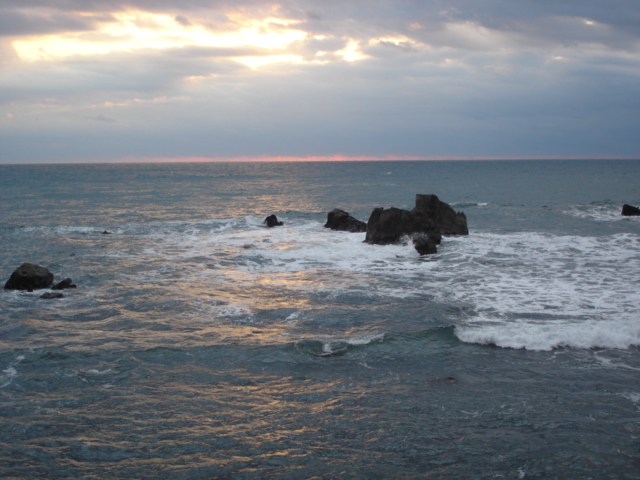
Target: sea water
<point>201,344</point>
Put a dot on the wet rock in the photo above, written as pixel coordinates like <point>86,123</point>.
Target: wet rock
<point>448,220</point>
<point>29,276</point>
<point>424,224</point>
<point>389,225</point>
<point>66,283</point>
<point>425,246</point>
<point>630,211</point>
<point>51,295</point>
<point>272,221</point>
<point>340,220</point>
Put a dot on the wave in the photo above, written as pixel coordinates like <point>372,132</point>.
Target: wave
<point>620,334</point>
<point>600,211</point>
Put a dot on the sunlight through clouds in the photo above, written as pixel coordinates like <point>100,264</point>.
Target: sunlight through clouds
<point>137,30</point>
<point>315,79</point>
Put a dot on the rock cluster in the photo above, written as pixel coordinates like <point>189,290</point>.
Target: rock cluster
<point>424,225</point>
<point>30,277</point>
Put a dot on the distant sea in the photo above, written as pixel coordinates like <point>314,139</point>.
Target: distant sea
<point>201,345</point>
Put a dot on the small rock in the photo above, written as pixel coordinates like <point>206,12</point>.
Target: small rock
<point>66,283</point>
<point>272,221</point>
<point>340,220</point>
<point>424,245</point>
<point>50,295</point>
<point>630,211</point>
<point>29,276</point>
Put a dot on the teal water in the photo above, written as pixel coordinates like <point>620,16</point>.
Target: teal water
<point>200,344</point>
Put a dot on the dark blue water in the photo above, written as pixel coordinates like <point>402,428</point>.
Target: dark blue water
<point>200,344</point>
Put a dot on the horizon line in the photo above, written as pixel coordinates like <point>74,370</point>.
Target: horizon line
<point>320,158</point>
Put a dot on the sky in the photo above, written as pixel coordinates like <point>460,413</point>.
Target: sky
<point>205,80</point>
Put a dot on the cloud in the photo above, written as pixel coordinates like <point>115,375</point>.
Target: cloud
<point>101,118</point>
<point>307,77</point>
<point>183,21</point>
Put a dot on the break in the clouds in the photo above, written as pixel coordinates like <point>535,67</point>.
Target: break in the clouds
<point>159,79</point>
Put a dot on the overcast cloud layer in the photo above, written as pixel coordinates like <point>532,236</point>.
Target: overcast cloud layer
<point>107,80</point>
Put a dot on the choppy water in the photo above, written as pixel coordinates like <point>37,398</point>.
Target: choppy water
<point>200,344</point>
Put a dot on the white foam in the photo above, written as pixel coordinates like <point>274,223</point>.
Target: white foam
<point>600,213</point>
<point>540,292</point>
<point>336,345</point>
<point>549,335</point>
<point>7,376</point>
<point>520,290</point>
<point>633,397</point>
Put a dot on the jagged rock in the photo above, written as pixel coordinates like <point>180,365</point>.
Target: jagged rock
<point>449,221</point>
<point>50,295</point>
<point>29,276</point>
<point>389,225</point>
<point>66,283</point>
<point>630,211</point>
<point>340,220</point>
<point>424,245</point>
<point>272,221</point>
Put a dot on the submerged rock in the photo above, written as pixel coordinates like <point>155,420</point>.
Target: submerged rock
<point>272,221</point>
<point>51,295</point>
<point>630,211</point>
<point>29,276</point>
<point>340,220</point>
<point>66,283</point>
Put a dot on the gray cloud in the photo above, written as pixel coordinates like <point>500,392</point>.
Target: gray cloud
<point>184,21</point>
<point>493,78</point>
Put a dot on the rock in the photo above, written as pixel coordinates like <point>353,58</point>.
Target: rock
<point>106,233</point>
<point>29,276</point>
<point>66,283</point>
<point>630,211</point>
<point>272,221</point>
<point>340,220</point>
<point>449,221</point>
<point>425,224</point>
<point>424,245</point>
<point>50,295</point>
<point>389,225</point>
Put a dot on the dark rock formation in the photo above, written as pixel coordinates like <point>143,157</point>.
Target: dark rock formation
<point>389,225</point>
<point>425,224</point>
<point>630,211</point>
<point>424,245</point>
<point>50,295</point>
<point>29,276</point>
<point>340,220</point>
<point>449,221</point>
<point>66,283</point>
<point>272,221</point>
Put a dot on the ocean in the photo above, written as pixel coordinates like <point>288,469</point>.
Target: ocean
<point>199,344</point>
